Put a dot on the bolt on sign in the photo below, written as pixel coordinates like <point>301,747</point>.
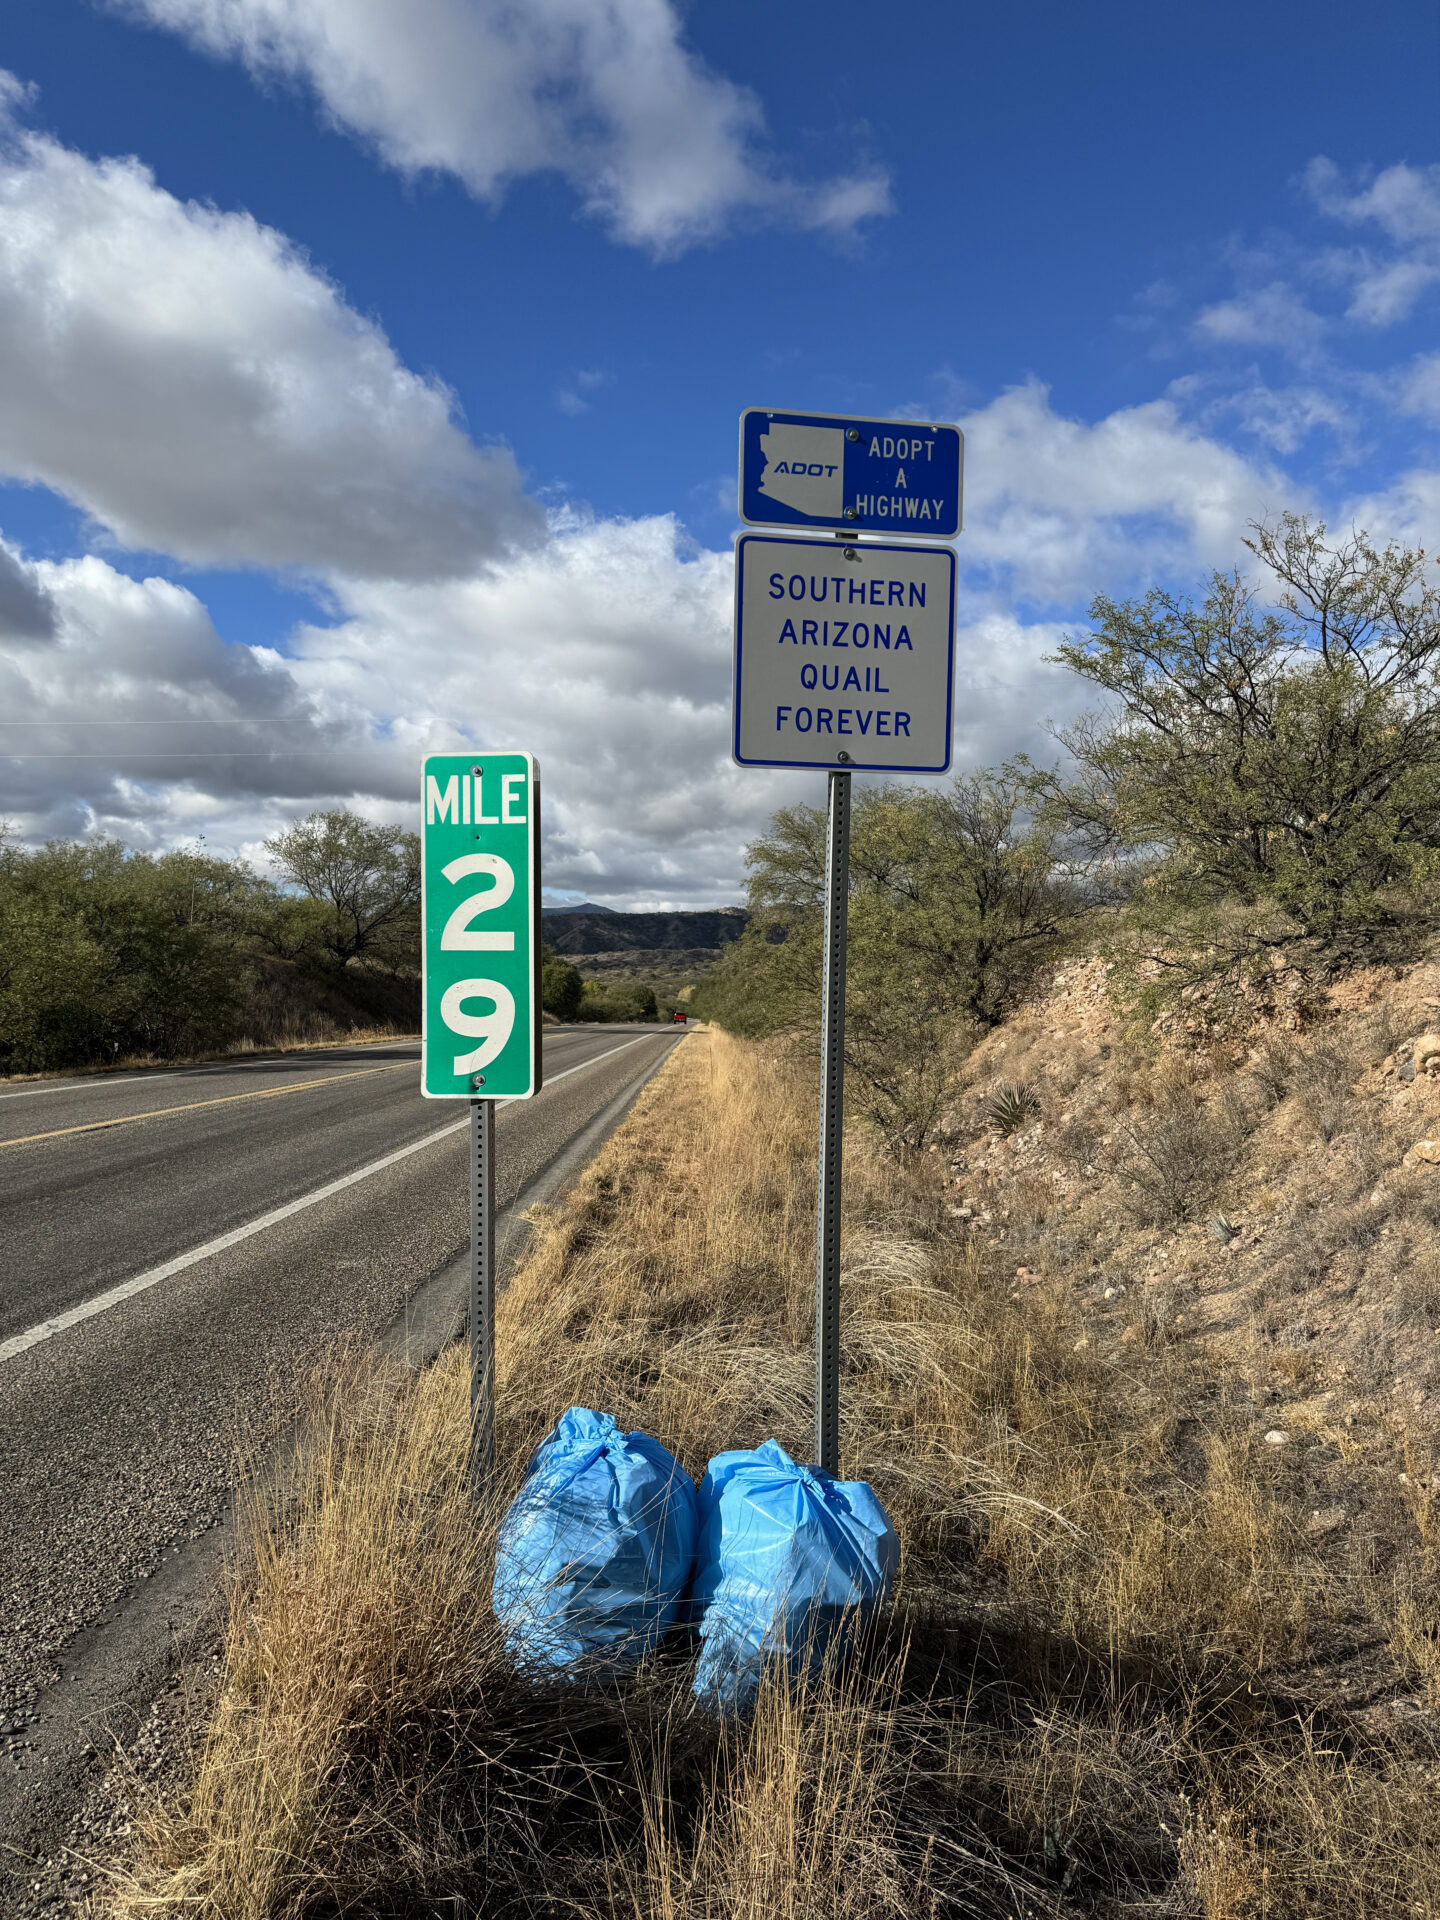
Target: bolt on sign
<point>480,915</point>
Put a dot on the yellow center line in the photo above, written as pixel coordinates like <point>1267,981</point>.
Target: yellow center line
<point>226,1100</point>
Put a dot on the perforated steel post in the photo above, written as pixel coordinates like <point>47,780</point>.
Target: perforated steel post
<point>482,1294</point>
<point>832,1129</point>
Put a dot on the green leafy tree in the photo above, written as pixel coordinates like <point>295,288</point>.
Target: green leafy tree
<point>366,878</point>
<point>1270,774</point>
<point>292,927</point>
<point>51,984</point>
<point>104,952</point>
<point>955,895</point>
<point>561,986</point>
<point>618,1000</point>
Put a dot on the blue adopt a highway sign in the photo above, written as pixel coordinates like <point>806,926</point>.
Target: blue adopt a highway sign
<point>901,477</point>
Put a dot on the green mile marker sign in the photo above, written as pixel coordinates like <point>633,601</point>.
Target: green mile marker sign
<point>480,911</point>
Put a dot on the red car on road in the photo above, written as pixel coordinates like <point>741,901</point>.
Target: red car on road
<point>679,1018</point>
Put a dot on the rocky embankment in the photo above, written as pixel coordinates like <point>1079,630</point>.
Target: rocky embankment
<point>1275,1193</point>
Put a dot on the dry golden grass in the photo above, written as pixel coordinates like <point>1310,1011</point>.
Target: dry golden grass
<point>794,1818</point>
<point>1069,1710</point>
<point>357,1610</point>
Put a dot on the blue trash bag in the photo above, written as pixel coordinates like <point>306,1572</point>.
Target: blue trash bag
<point>594,1555</point>
<point>787,1555</point>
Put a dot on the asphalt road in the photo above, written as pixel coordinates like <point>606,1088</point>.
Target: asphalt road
<point>122,1394</point>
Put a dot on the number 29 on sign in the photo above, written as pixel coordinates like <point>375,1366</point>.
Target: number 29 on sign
<point>481,895</point>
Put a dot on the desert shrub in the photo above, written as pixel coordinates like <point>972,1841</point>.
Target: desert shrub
<point>1369,1150</point>
<point>1154,1318</point>
<point>561,987</point>
<point>1031,1201</point>
<point>617,1000</point>
<point>1324,1076</point>
<point>1334,1241</point>
<point>1274,1067</point>
<point>1076,1142</point>
<point>1172,1157</point>
<point>362,879</point>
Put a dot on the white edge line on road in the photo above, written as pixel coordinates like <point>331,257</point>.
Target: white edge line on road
<point>47,1329</point>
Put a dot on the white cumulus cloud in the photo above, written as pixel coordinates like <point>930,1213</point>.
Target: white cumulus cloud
<point>1403,203</point>
<point>130,715</point>
<point>607,653</point>
<point>662,150</point>
<point>26,609</point>
<point>191,381</point>
<point>1270,316</point>
<point>605,648</point>
<point>1419,388</point>
<point>1058,509</point>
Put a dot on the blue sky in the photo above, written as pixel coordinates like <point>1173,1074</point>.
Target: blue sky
<point>390,400</point>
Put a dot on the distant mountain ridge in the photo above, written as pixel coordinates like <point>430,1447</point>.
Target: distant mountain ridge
<point>580,906</point>
<point>600,930</point>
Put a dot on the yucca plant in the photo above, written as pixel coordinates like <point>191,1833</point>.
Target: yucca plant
<point>1222,1229</point>
<point>1010,1106</point>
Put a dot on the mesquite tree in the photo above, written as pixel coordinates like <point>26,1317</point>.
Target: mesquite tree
<point>1271,772</point>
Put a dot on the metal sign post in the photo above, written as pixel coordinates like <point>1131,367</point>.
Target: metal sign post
<point>832,1129</point>
<point>480,991</point>
<point>482,1294</point>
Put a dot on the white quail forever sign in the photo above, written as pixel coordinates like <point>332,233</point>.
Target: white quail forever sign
<point>843,654</point>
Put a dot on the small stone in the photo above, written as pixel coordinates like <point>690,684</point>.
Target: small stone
<point>1130,1337</point>
<point>1427,1151</point>
<point>1298,1334</point>
<point>1325,1520</point>
<point>1110,1293</point>
<point>1277,1437</point>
